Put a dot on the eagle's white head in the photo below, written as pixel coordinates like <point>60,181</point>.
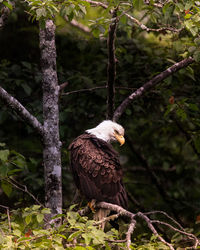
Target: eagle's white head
<point>108,131</point>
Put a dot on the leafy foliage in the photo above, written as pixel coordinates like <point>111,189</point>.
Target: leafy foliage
<point>27,230</point>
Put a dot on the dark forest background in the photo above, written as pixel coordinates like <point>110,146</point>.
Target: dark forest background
<point>161,155</point>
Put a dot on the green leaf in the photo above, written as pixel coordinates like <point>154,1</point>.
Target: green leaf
<point>3,170</point>
<point>17,232</point>
<point>41,12</point>
<point>87,237</point>
<point>4,155</point>
<point>46,211</point>
<point>36,207</point>
<point>40,217</point>
<point>137,4</point>
<point>28,219</point>
<point>82,8</point>
<point>9,5</point>
<point>7,188</point>
<point>188,5</point>
<point>181,113</point>
<point>196,56</point>
<point>74,235</point>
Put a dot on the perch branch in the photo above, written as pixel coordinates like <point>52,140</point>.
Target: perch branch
<point>121,211</point>
<point>111,69</point>
<point>150,84</point>
<point>22,112</point>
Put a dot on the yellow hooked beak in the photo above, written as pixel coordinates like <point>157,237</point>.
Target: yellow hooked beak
<point>120,139</point>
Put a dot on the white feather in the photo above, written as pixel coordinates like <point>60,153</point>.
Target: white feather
<point>106,130</point>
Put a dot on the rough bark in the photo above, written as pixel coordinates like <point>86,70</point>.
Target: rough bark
<point>52,144</point>
<point>150,84</point>
<point>111,70</point>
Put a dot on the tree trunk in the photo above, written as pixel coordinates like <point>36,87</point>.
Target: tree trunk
<point>51,140</point>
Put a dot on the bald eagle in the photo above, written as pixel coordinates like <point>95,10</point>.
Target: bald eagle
<point>96,167</point>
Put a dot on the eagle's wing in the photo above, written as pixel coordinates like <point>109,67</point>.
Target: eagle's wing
<point>97,171</point>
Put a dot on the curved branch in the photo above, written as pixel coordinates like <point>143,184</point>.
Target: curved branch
<point>22,112</point>
<point>150,84</point>
<point>144,216</point>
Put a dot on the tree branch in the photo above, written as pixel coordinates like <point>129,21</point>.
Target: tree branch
<point>136,21</point>
<point>150,84</point>
<point>23,188</point>
<point>8,215</point>
<point>21,111</point>
<point>111,70</point>
<point>132,225</point>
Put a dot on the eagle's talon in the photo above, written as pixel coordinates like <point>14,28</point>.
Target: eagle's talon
<point>91,205</point>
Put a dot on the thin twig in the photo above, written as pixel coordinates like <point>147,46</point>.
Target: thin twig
<point>152,228</point>
<point>111,217</point>
<point>94,89</point>
<point>23,188</point>
<point>129,233</point>
<point>165,214</point>
<point>190,236</point>
<point>84,90</point>
<point>8,215</point>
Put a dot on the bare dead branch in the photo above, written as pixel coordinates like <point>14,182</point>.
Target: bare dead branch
<point>63,85</point>
<point>84,90</point>
<point>190,236</point>
<point>23,188</point>
<point>80,26</point>
<point>21,111</point>
<point>111,69</point>
<point>96,3</point>
<point>132,224</point>
<point>129,233</point>
<point>166,215</point>
<point>152,228</point>
<point>144,27</point>
<point>150,84</point>
<point>94,89</point>
<point>8,215</point>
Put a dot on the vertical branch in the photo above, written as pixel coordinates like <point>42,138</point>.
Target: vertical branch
<point>52,144</point>
<point>111,70</point>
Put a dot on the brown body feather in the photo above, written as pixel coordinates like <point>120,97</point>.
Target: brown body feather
<point>97,171</point>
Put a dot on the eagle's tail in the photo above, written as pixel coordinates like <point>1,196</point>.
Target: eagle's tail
<point>100,214</point>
